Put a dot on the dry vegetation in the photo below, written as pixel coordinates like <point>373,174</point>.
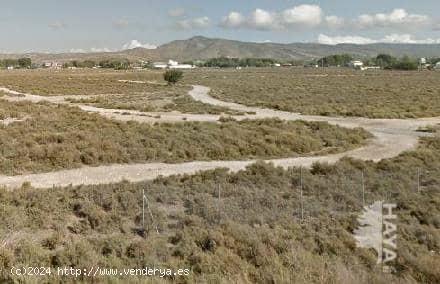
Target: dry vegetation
<point>81,82</point>
<point>252,234</point>
<point>143,91</point>
<point>57,137</point>
<point>248,232</point>
<point>329,91</point>
<point>154,102</point>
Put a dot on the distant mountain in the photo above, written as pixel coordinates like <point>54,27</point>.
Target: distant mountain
<point>204,48</point>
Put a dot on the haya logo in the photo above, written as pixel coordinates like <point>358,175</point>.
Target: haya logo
<point>378,231</point>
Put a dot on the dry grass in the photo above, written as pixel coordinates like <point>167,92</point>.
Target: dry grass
<point>57,137</point>
<point>252,234</point>
<point>329,91</point>
<point>143,91</point>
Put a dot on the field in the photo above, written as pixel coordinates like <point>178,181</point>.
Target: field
<point>330,92</point>
<point>57,137</point>
<point>251,232</point>
<point>143,91</point>
<point>260,225</point>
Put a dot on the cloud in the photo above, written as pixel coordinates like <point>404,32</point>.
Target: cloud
<point>306,15</point>
<point>392,38</point>
<point>101,49</point>
<point>398,18</point>
<point>324,39</point>
<point>129,45</point>
<point>233,20</point>
<point>312,16</point>
<point>334,22</point>
<point>135,44</point>
<point>260,19</point>
<point>77,50</point>
<point>58,25</point>
<point>196,23</point>
<point>177,12</point>
<point>120,24</point>
<point>407,38</point>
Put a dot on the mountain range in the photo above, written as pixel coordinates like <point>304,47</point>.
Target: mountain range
<point>203,48</point>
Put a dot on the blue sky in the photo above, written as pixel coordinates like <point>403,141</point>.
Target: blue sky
<point>80,25</point>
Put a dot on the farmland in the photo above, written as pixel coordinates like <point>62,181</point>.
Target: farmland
<point>329,91</point>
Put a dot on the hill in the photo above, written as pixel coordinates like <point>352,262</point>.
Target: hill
<point>204,48</point>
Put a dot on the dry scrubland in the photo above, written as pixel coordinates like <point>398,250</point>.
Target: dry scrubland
<point>329,91</point>
<point>253,234</point>
<point>58,137</point>
<point>143,91</point>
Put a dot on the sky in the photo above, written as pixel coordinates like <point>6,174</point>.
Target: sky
<point>110,25</point>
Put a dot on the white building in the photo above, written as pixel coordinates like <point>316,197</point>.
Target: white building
<point>175,65</point>
<point>54,65</point>
<point>356,64</point>
<point>160,65</point>
<point>437,66</point>
<point>172,65</point>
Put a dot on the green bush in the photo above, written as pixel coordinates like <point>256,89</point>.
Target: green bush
<point>173,76</point>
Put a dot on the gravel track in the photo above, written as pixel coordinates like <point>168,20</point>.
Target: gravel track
<point>391,137</point>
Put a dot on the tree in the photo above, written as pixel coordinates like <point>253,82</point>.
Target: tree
<point>173,76</point>
<point>24,62</point>
<point>406,63</point>
<point>385,60</point>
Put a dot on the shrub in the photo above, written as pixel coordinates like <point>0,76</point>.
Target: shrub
<point>173,76</point>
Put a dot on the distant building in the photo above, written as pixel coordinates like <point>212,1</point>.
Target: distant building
<point>52,65</point>
<point>172,65</point>
<point>311,65</point>
<point>356,64</point>
<point>175,65</point>
<point>10,67</point>
<point>437,66</point>
<point>370,68</point>
<point>160,65</point>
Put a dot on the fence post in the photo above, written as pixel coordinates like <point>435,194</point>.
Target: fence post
<point>418,180</point>
<point>363,189</point>
<point>301,189</point>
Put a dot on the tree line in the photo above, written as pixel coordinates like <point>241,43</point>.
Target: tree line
<point>118,64</point>
<point>226,62</point>
<point>24,62</point>
<point>385,61</point>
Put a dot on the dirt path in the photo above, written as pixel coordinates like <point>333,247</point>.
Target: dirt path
<point>392,137</point>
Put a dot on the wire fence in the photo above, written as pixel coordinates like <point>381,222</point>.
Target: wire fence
<point>362,188</point>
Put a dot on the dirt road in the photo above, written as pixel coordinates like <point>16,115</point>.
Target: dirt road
<point>392,137</point>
